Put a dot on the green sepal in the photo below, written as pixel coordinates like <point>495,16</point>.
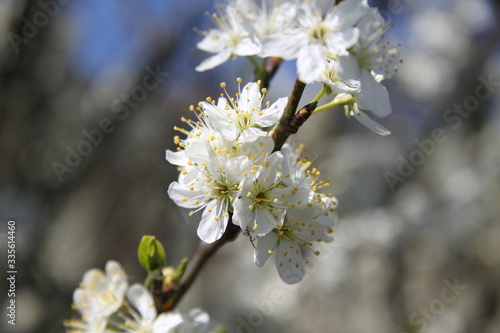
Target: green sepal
<point>328,89</point>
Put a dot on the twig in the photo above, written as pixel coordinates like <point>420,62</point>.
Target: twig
<point>271,68</point>
<point>205,251</point>
<point>280,132</point>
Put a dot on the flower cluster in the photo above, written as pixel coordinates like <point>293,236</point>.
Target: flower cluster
<point>344,48</point>
<point>229,169</point>
<point>108,304</point>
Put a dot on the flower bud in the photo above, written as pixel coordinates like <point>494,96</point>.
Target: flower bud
<point>151,254</point>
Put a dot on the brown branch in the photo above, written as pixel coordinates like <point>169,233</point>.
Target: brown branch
<point>271,68</point>
<point>205,251</point>
<point>281,131</point>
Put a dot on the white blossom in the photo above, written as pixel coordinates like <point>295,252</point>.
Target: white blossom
<point>147,321</point>
<point>230,39</point>
<point>317,37</point>
<point>369,61</point>
<point>294,241</point>
<point>265,20</point>
<point>264,198</point>
<point>244,119</point>
<point>99,296</point>
<point>352,87</point>
<point>301,226</point>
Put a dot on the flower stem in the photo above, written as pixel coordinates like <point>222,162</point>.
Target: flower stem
<point>320,94</point>
<point>336,102</point>
<point>254,63</point>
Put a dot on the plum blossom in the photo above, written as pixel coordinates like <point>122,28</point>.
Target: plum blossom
<point>99,296</point>
<point>145,319</point>
<point>230,39</point>
<point>317,37</point>
<point>368,63</point>
<point>244,118</point>
<point>350,90</point>
<point>293,241</point>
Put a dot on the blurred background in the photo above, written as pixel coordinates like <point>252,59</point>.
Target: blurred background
<point>417,248</point>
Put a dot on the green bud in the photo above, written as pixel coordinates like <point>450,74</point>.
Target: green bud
<point>151,254</point>
<point>343,99</point>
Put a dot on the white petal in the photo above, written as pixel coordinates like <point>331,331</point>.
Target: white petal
<point>247,46</point>
<point>251,134</point>
<point>200,152</point>
<point>199,318</point>
<point>289,262</point>
<point>284,45</point>
<point>214,42</point>
<point>191,174</point>
<point>269,171</point>
<point>328,221</point>
<point>216,112</point>
<point>176,157</point>
<point>211,229</point>
<point>311,63</point>
<point>214,61</point>
<point>266,245</point>
<point>167,322</point>
<point>371,124</point>
<point>184,197</point>
<point>117,279</point>
<point>243,215</point>
<point>140,299</point>
<point>265,222</point>
<point>348,13</point>
<point>250,98</point>
<point>94,277</point>
<point>375,96</point>
<point>347,67</point>
<point>221,119</point>
<point>272,114</point>
<point>340,41</point>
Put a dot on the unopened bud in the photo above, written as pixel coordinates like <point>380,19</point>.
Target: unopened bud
<point>151,254</point>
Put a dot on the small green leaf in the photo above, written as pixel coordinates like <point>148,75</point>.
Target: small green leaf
<point>179,272</point>
<point>151,254</point>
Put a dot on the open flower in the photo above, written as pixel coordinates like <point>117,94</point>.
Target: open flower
<point>265,20</point>
<point>98,297</point>
<point>147,321</point>
<point>301,226</point>
<point>293,241</point>
<point>317,38</point>
<point>244,119</point>
<point>370,61</point>
<point>263,199</point>
<point>351,89</point>
<point>231,38</point>
<point>212,189</point>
